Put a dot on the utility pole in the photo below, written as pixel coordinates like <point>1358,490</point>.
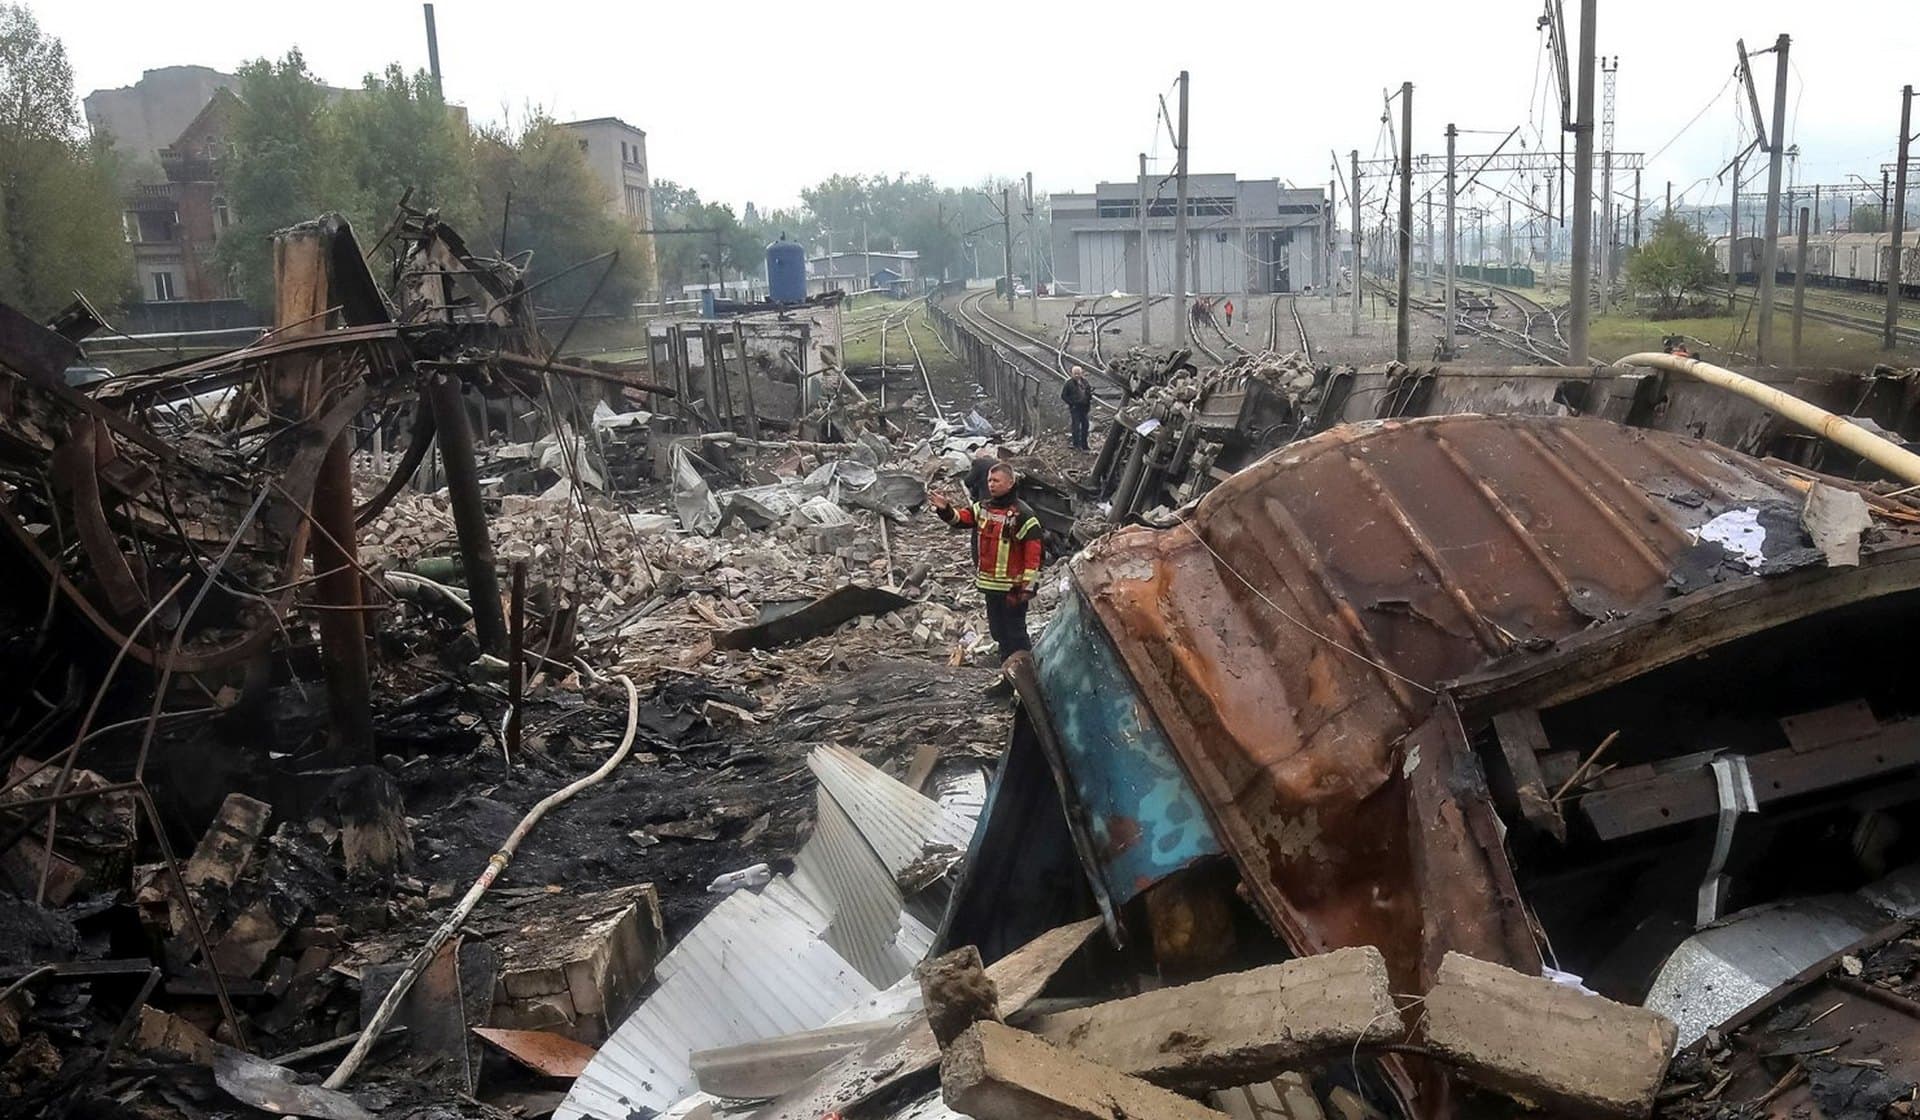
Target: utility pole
<point>866,259</point>
<point>1549,224</point>
<point>1606,240</point>
<point>1180,214</point>
<point>1506,243</point>
<point>1430,261</point>
<point>1669,210</point>
<point>1354,191</point>
<point>1452,217</point>
<point>1899,218</point>
<point>1799,289</point>
<point>1146,267</point>
<point>1333,240</point>
<point>1636,208</point>
<point>433,52</point>
<point>1006,240</point>
<point>1769,242</point>
<point>1033,258</point>
<point>1733,242</point>
<point>1816,208</point>
<point>1403,339</point>
<point>1577,346</point>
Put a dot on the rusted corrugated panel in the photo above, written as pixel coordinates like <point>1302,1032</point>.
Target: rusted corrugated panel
<point>1291,635</point>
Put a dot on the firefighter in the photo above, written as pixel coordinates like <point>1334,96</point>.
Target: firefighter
<point>1006,556</point>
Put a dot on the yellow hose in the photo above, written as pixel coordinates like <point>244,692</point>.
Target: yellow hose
<point>1881,452</point>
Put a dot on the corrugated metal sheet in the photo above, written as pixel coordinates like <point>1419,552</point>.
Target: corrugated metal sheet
<point>898,822</point>
<point>753,968</point>
<point>1293,637</point>
<point>800,953</point>
<point>859,893</point>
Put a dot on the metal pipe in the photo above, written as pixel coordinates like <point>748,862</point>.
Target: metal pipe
<point>1882,453</point>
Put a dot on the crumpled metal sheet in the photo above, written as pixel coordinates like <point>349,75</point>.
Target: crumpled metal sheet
<point>1293,633</point>
<point>1144,820</point>
<point>1726,968</point>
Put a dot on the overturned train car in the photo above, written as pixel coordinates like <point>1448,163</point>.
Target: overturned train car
<point>1171,443</point>
<point>1544,690</point>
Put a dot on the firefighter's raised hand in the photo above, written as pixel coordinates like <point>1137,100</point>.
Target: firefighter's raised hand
<point>938,500</point>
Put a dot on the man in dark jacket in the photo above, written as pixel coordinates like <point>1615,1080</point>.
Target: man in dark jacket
<point>1006,555</point>
<point>1078,393</point>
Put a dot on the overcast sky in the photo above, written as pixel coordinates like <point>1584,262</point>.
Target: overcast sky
<point>753,101</point>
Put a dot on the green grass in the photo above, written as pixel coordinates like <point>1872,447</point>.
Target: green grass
<point>1731,340</point>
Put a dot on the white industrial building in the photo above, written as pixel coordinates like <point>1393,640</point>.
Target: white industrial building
<point>1244,236</point>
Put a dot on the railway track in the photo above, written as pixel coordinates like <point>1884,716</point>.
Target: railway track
<point>1905,334</point>
<point>1299,326</point>
<point>1038,353</point>
<point>1499,334</point>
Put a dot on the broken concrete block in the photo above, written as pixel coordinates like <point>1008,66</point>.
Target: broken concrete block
<point>374,839</point>
<point>221,856</point>
<point>579,962</point>
<point>957,994</point>
<point>994,1072</point>
<point>171,1037</point>
<point>1545,1043</point>
<point>1238,1028</point>
<point>1286,1097</point>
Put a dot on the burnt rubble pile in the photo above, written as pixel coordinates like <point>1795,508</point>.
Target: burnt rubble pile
<point>320,623</point>
<point>407,721</point>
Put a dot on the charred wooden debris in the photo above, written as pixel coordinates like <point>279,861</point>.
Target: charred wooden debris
<point>1421,742</point>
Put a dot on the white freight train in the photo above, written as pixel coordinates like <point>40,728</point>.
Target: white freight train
<point>1857,261</point>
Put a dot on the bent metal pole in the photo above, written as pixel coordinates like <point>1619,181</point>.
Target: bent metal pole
<point>1883,453</point>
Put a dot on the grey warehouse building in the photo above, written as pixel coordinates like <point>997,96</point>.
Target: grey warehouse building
<point>1250,236</point>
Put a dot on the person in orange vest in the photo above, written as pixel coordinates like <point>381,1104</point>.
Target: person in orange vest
<point>1229,310</point>
<point>1006,557</point>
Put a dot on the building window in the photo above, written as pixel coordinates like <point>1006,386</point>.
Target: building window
<point>222,217</point>
<point>130,226</point>
<point>1119,208</point>
<point>583,145</point>
<point>163,287</point>
<point>623,151</point>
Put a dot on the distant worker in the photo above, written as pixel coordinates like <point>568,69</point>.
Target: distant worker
<point>1078,393</point>
<point>1229,310</point>
<point>1006,557</point>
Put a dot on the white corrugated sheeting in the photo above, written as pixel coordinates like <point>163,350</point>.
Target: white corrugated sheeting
<point>898,822</point>
<point>753,968</point>
<point>802,952</point>
<point>857,890</point>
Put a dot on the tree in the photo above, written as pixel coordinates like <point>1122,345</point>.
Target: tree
<point>286,167</point>
<point>60,225</point>
<point>1867,219</point>
<point>689,258</point>
<point>559,213</point>
<point>1672,264</point>
<point>397,133</point>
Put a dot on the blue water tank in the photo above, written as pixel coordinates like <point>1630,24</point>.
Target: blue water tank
<point>786,272</point>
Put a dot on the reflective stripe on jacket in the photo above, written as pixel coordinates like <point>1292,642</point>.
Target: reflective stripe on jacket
<point>1008,551</point>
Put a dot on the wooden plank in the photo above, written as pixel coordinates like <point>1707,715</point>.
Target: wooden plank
<point>909,1049</point>
<point>1689,795</point>
<point>1522,741</point>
